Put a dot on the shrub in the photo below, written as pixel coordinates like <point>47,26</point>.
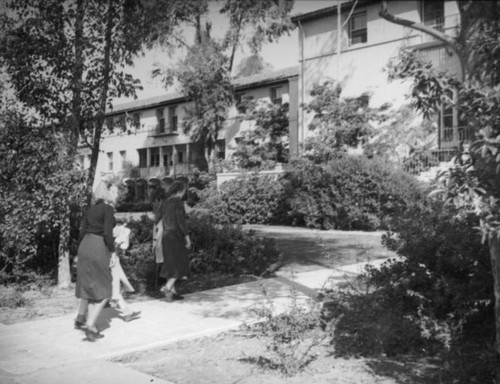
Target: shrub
<point>225,248</point>
<point>435,299</point>
<point>348,193</point>
<point>221,249</point>
<point>291,337</point>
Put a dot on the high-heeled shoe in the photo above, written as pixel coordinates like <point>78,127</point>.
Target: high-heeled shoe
<point>132,316</point>
<point>93,335</point>
<point>79,324</point>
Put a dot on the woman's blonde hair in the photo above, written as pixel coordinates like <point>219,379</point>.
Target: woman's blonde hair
<point>102,193</point>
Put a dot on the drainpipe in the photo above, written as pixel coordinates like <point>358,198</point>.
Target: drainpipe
<point>339,37</point>
<point>302,93</point>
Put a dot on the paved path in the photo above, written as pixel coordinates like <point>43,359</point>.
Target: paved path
<point>51,351</point>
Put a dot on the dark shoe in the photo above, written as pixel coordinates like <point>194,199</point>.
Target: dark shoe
<point>169,296</point>
<point>92,335</point>
<point>177,296</point>
<point>132,316</point>
<point>79,324</point>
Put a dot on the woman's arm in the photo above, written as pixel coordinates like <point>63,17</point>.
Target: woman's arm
<point>109,223</point>
<point>83,227</point>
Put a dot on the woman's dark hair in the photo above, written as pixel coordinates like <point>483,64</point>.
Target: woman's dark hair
<point>157,194</point>
<point>177,186</point>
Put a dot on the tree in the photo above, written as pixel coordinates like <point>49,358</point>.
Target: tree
<point>267,142</point>
<point>252,65</point>
<point>66,59</point>
<point>205,72</point>
<point>475,177</point>
<point>340,123</point>
<point>35,184</point>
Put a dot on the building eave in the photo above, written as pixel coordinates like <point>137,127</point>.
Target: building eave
<point>330,11</point>
<point>244,83</point>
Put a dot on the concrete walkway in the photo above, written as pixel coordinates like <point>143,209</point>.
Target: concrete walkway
<point>51,351</point>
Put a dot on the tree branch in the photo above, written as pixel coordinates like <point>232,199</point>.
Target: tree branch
<point>448,40</point>
<point>384,13</point>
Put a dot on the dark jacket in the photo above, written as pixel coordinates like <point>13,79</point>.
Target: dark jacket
<point>99,220</point>
<point>173,215</point>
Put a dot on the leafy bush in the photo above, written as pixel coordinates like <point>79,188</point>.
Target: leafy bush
<point>348,193</point>
<point>291,337</point>
<point>436,298</point>
<point>222,249</point>
<point>227,248</point>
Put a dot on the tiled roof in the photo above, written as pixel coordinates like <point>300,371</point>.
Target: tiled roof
<point>266,77</point>
<point>240,83</point>
<point>345,6</point>
<point>145,103</point>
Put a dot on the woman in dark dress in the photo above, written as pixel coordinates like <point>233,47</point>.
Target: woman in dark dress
<point>96,255</point>
<point>175,240</point>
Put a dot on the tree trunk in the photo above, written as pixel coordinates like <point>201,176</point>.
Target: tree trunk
<point>494,244</point>
<point>99,122</point>
<point>63,271</point>
<point>75,122</point>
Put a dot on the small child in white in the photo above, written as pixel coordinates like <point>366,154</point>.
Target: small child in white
<point>122,237</point>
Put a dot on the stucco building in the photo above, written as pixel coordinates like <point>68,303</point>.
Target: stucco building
<point>146,141</point>
<point>357,53</point>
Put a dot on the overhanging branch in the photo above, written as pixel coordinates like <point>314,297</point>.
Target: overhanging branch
<point>384,13</point>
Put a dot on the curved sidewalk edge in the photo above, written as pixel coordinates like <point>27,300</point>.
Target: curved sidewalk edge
<point>51,351</point>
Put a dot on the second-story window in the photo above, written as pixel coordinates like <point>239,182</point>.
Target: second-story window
<point>154,155</point>
<point>110,161</point>
<point>109,123</point>
<point>358,31</point>
<point>173,119</point>
<point>161,120</point>
<point>277,95</point>
<point>121,121</point>
<point>433,13</point>
<point>136,120</point>
<point>143,157</point>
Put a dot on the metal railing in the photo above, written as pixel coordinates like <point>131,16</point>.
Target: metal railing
<point>456,135</point>
<point>448,24</point>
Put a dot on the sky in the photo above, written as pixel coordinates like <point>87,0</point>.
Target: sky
<point>281,54</point>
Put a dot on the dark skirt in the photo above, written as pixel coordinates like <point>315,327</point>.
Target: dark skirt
<point>175,255</point>
<point>93,280</point>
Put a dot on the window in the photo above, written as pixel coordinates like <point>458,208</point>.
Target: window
<point>239,100</point>
<point>154,156</point>
<point>358,32</point>
<point>123,158</point>
<point>143,157</point>
<point>165,160</point>
<point>136,120</point>
<point>109,123</point>
<point>276,95</point>
<point>110,161</point>
<point>433,13</point>
<point>161,120</point>
<point>221,149</point>
<point>180,157</point>
<point>121,121</point>
<point>448,121</point>
<point>173,119</point>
